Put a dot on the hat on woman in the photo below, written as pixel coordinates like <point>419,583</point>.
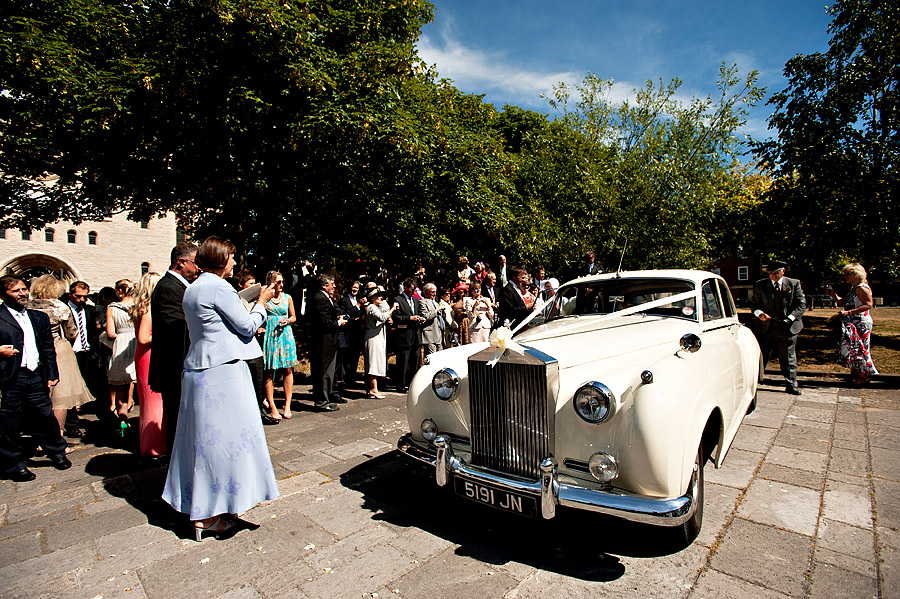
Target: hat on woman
<point>460,287</point>
<point>371,293</point>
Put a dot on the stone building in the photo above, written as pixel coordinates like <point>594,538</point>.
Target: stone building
<point>99,253</point>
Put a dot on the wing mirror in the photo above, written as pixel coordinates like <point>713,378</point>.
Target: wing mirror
<point>690,343</point>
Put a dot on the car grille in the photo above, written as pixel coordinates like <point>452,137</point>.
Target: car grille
<point>510,420</point>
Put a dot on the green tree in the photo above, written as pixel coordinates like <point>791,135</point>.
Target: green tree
<point>836,151</point>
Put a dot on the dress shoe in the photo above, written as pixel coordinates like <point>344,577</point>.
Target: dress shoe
<point>73,432</point>
<point>268,420</point>
<point>20,476</point>
<point>328,407</point>
<point>60,462</point>
<point>402,389</point>
<point>338,400</point>
<point>793,390</point>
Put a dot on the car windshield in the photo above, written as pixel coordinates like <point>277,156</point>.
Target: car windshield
<point>613,295</point>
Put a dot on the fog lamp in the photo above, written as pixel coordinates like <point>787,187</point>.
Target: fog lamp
<point>445,384</point>
<point>603,467</point>
<point>429,429</point>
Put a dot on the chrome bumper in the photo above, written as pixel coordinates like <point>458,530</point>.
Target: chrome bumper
<point>636,508</point>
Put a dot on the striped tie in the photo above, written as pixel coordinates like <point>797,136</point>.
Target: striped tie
<point>82,330</point>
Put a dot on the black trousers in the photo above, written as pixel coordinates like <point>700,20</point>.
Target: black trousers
<point>171,398</point>
<point>27,404</point>
<point>256,366</point>
<point>323,358</point>
<point>407,364</point>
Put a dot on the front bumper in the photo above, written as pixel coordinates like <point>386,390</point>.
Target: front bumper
<point>636,508</point>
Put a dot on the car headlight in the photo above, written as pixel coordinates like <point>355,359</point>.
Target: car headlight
<point>445,384</point>
<point>594,402</point>
<point>603,467</point>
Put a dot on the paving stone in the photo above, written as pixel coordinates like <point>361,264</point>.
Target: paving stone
<point>849,504</point>
<point>419,544</point>
<point>341,515</point>
<point>792,476</point>
<point>783,505</point>
<point>737,471</point>
<point>753,438</point>
<point>39,523</point>
<point>49,502</point>
<point>812,397</point>
<point>882,417</point>
<point>884,436</point>
<point>308,463</point>
<point>890,571</point>
<point>350,547</point>
<point>806,438</point>
<point>829,581</point>
<point>357,448</point>
<point>373,569</point>
<point>126,585</point>
<point>851,444</point>
<point>133,539</point>
<point>284,580</point>
<point>888,537</point>
<point>451,576</point>
<point>850,431</point>
<point>851,462</point>
<point>243,592</point>
<point>768,418</point>
<point>850,415</point>
<point>75,531</point>
<point>766,556</point>
<point>887,501</point>
<point>22,547</point>
<point>797,458</point>
<point>845,562</point>
<point>846,539</point>
<point>43,576</point>
<point>722,586</point>
<point>718,507</point>
<point>885,463</point>
<point>804,414</point>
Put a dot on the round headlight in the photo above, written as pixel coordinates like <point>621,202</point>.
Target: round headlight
<point>594,402</point>
<point>603,467</point>
<point>429,429</point>
<point>445,384</point>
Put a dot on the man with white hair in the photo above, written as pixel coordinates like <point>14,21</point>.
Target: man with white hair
<point>434,325</point>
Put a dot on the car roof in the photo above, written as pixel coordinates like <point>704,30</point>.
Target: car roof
<point>696,276</point>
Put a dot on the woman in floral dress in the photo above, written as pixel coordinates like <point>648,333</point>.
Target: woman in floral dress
<point>279,347</point>
<point>855,347</point>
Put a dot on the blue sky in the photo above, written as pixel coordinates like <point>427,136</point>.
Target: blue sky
<point>512,52</point>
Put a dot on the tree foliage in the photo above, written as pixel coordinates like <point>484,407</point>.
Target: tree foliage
<point>836,151</point>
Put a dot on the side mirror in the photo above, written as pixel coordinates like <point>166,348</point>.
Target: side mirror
<point>690,343</point>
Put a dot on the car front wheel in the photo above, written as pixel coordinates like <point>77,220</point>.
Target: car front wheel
<point>684,535</point>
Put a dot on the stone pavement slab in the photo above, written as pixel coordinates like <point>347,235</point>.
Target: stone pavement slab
<point>806,504</point>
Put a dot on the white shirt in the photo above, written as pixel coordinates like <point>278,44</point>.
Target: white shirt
<point>30,356</point>
<point>179,277</point>
<point>80,321</point>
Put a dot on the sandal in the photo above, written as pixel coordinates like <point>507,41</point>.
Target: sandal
<point>217,528</point>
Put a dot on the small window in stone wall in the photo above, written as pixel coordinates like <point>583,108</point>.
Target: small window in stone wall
<point>145,224</point>
<point>2,233</point>
<point>92,238</point>
<point>145,268</point>
<point>49,235</point>
<point>72,236</point>
<point>743,273</point>
<point>26,235</point>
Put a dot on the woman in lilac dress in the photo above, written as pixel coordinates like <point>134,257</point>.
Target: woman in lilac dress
<point>220,462</point>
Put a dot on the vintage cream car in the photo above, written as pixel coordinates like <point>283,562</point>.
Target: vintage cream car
<point>612,404</point>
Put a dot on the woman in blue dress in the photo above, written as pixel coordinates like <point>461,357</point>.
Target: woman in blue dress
<point>279,347</point>
<point>220,462</point>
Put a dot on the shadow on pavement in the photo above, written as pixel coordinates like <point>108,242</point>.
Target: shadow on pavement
<point>402,492</point>
<point>140,482</point>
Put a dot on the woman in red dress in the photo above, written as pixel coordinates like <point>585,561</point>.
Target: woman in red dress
<point>152,427</point>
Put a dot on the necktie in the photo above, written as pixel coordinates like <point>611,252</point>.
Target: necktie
<point>82,332</point>
<point>440,316</point>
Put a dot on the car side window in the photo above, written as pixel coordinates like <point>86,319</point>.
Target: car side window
<point>727,300</point>
<point>712,307</point>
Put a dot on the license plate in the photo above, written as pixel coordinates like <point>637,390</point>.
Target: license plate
<point>501,499</point>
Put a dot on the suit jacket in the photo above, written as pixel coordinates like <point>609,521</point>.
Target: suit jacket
<point>490,292</point>
<point>793,303</point>
<point>12,334</point>
<point>322,315</point>
<point>353,330</point>
<point>431,330</point>
<point>170,337</point>
<point>221,328</point>
<point>407,331</point>
<point>512,306</point>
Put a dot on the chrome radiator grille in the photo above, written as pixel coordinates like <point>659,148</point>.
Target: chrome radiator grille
<point>509,413</point>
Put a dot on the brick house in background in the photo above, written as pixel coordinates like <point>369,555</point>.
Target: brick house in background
<point>740,274</point>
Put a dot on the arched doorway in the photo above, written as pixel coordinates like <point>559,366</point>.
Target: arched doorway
<point>30,266</point>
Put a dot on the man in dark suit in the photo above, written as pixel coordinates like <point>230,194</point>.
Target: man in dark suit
<point>778,304</point>
<point>27,371</point>
<point>170,337</point>
<point>324,324</point>
<point>408,321</point>
<point>350,339</point>
<point>86,346</point>
<point>512,305</point>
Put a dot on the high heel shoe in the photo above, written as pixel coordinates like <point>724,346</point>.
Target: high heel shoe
<point>217,529</point>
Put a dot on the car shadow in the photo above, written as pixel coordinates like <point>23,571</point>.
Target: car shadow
<point>583,545</point>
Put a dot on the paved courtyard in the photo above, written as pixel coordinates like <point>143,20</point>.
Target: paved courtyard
<point>807,504</point>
